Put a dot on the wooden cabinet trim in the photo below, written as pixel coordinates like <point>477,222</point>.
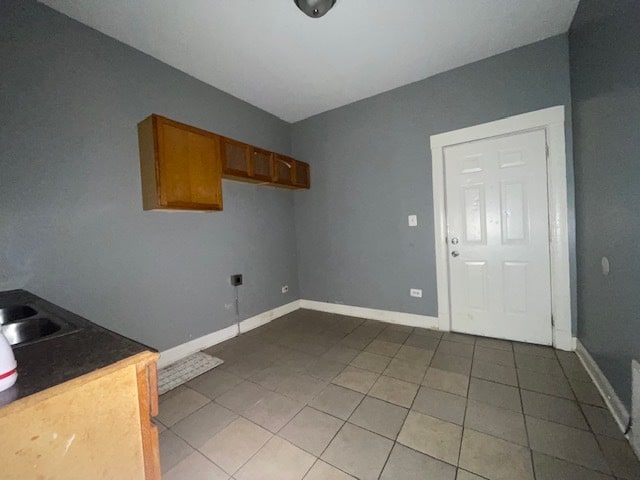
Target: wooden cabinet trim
<point>256,176</point>
<point>165,144</point>
<point>148,145</point>
<point>165,185</point>
<point>143,358</point>
<point>102,408</point>
<point>306,183</point>
<point>283,163</point>
<point>148,402</point>
<point>152,378</point>
<point>183,126</point>
<point>228,171</point>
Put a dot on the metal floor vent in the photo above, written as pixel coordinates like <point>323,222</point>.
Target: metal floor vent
<point>185,369</point>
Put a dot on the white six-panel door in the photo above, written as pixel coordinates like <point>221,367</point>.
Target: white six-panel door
<point>498,237</point>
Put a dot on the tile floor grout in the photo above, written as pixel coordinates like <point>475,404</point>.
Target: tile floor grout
<point>422,384</point>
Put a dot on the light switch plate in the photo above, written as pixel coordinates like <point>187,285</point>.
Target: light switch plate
<point>413,220</point>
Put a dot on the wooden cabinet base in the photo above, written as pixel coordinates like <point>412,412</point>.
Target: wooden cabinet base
<point>95,426</point>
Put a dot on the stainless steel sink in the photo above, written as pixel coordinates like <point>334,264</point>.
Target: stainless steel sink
<point>23,325</point>
<point>15,312</point>
<point>30,330</point>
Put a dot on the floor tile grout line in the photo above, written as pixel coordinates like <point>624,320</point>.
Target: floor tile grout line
<point>476,474</point>
<point>425,454</point>
<point>394,441</point>
<point>340,429</point>
<point>604,456</point>
<point>318,459</point>
<point>429,365</point>
<point>197,449</point>
<point>524,421</point>
<point>368,430</point>
<point>464,419</point>
<point>531,450</point>
<point>431,361</point>
<point>386,460</point>
<point>252,456</point>
<point>466,407</point>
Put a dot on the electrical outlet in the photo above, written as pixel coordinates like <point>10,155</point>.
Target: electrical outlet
<point>285,288</point>
<point>413,220</point>
<point>416,292</point>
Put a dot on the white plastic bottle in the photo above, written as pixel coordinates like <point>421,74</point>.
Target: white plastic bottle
<point>8,365</point>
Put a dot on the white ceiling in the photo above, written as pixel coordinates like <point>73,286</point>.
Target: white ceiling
<point>271,55</point>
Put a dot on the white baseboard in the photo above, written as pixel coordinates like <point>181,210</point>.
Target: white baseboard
<point>184,350</point>
<point>635,407</point>
<point>444,322</point>
<point>174,354</point>
<point>399,318</point>
<point>266,317</point>
<point>616,407</point>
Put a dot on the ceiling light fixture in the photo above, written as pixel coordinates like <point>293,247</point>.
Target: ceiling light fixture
<point>315,8</point>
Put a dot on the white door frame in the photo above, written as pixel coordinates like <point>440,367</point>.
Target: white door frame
<point>552,121</point>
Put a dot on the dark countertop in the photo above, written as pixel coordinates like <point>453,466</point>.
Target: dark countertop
<point>49,362</point>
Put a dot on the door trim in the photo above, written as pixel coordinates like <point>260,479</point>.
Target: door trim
<point>551,120</point>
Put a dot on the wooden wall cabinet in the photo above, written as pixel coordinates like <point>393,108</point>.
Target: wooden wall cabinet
<point>245,163</point>
<point>235,159</point>
<point>95,426</point>
<point>301,174</point>
<point>261,165</point>
<point>290,173</point>
<point>180,166</point>
<point>283,170</point>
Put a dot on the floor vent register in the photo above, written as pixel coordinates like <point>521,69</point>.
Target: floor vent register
<point>185,369</point>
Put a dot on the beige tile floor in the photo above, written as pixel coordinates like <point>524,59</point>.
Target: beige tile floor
<point>318,396</point>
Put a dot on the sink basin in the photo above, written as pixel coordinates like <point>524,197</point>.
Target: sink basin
<point>28,331</point>
<point>15,312</point>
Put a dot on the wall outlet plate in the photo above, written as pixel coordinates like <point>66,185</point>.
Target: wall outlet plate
<point>285,288</point>
<point>413,220</point>
<point>416,292</point>
<point>236,279</point>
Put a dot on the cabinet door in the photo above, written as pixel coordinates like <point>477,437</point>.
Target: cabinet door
<point>283,170</point>
<point>88,429</point>
<point>235,158</point>
<point>188,168</point>
<point>301,174</point>
<point>261,165</point>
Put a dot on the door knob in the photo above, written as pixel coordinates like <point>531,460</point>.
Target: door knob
<point>455,253</point>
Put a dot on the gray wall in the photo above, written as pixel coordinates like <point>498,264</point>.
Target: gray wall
<point>71,224</point>
<point>605,80</point>
<point>72,227</point>
<point>371,167</point>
